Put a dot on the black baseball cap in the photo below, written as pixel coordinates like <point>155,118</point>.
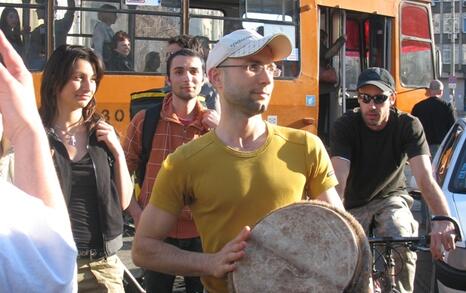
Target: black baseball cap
<point>377,76</point>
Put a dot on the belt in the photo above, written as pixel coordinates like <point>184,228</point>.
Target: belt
<point>91,254</point>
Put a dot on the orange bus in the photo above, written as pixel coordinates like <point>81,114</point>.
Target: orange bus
<point>337,39</point>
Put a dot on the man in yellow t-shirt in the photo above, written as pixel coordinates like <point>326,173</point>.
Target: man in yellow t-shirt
<point>235,175</point>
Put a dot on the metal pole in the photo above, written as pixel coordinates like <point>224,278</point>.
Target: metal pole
<point>453,44</point>
<point>453,35</point>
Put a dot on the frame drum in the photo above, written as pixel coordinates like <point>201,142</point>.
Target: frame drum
<point>304,247</point>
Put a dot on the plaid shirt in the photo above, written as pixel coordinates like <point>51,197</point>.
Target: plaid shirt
<point>170,134</point>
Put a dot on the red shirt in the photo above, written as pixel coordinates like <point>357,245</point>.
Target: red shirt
<point>170,134</point>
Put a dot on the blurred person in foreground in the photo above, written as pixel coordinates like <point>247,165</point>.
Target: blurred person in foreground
<point>37,251</point>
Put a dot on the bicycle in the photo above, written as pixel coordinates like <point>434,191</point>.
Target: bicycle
<point>384,279</point>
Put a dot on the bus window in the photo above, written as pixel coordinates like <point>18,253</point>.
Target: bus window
<point>368,32</point>
<point>416,59</point>
<point>148,28</point>
<point>63,20</point>
<point>266,17</point>
<point>37,49</point>
<point>210,28</point>
<point>375,30</point>
<point>353,53</point>
<point>14,22</point>
<point>28,33</point>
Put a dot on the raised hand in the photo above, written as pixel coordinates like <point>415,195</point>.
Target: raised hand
<point>210,118</point>
<point>17,99</point>
<point>106,133</point>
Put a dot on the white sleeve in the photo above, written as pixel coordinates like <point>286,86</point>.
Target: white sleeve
<point>37,250</point>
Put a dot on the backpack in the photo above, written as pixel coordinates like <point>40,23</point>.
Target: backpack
<point>151,101</point>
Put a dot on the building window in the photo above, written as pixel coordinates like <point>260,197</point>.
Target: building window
<point>446,54</point>
<point>464,53</point>
<point>436,19</point>
<point>448,23</point>
<point>460,55</point>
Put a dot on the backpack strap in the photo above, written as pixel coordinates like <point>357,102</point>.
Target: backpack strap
<point>151,120</point>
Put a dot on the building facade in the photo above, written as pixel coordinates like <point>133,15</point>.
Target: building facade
<point>450,39</point>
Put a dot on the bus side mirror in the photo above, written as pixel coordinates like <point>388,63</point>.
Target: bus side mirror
<point>438,62</point>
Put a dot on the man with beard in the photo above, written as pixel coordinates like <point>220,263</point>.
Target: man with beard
<point>233,176</point>
<point>182,119</point>
<point>369,149</point>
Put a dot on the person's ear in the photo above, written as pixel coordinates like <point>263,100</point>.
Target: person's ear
<point>167,80</point>
<point>392,99</point>
<point>215,77</point>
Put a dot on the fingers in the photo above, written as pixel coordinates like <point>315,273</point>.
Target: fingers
<point>450,242</point>
<point>14,63</point>
<point>435,246</point>
<point>103,129</point>
<point>243,235</point>
<point>103,125</point>
<point>210,118</point>
<point>235,248</point>
<point>442,238</point>
<point>232,252</point>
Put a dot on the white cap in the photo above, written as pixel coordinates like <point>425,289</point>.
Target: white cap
<point>246,42</point>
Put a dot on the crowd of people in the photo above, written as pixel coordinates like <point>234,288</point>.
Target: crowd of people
<point>113,48</point>
<point>191,220</point>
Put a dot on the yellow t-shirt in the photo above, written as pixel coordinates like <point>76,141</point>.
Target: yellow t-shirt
<point>229,189</point>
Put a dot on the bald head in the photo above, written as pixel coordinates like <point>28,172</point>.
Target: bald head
<point>435,88</point>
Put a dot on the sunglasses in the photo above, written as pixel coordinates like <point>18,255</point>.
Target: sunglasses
<point>378,99</point>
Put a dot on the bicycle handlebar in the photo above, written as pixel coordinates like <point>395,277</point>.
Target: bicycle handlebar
<point>419,243</point>
<point>387,239</point>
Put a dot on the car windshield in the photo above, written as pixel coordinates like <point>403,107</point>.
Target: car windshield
<point>458,182</point>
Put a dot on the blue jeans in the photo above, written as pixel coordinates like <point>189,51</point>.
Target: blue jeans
<point>155,282</point>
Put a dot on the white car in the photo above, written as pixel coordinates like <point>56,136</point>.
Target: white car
<point>449,166</point>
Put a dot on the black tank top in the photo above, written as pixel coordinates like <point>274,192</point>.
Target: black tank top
<point>83,206</point>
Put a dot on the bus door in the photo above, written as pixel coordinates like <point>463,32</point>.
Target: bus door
<point>350,42</point>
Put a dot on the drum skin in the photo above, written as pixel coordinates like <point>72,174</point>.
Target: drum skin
<point>304,247</point>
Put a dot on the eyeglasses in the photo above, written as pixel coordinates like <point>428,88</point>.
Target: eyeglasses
<point>256,68</point>
<point>378,99</point>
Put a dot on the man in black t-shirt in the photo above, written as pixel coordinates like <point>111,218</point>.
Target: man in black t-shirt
<point>369,148</point>
<point>436,115</point>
